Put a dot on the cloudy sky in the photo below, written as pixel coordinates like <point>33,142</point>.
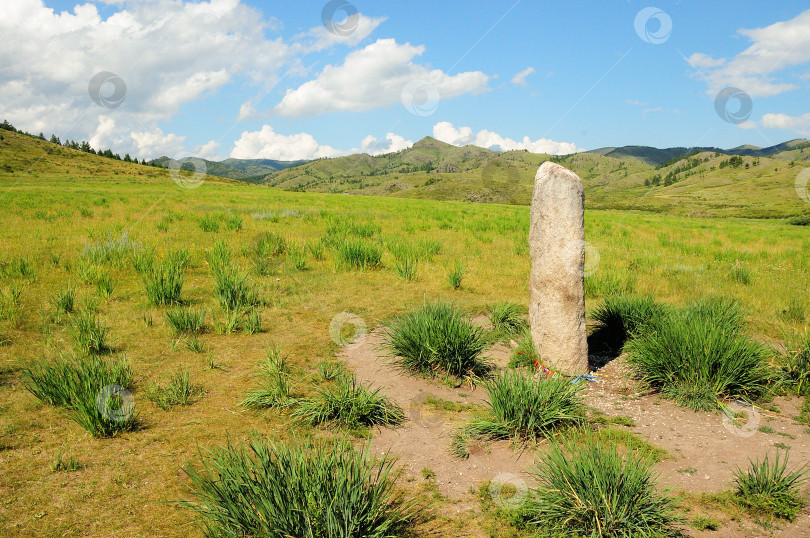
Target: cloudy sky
<point>295,79</point>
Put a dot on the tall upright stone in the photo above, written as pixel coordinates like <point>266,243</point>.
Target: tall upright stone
<point>557,281</point>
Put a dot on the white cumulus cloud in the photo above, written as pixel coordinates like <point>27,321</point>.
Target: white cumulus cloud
<point>167,52</point>
<point>773,49</point>
<point>799,124</point>
<point>461,136</point>
<point>374,77</point>
<point>393,142</point>
<point>268,144</point>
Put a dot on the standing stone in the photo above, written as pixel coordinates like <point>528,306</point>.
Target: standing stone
<point>557,281</point>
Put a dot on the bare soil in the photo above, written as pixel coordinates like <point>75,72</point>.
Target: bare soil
<point>705,449</point>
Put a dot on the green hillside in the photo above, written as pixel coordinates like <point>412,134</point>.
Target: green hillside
<point>708,183</point>
<point>248,170</point>
<point>760,183</point>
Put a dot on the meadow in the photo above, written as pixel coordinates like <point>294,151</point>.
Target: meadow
<point>96,236</point>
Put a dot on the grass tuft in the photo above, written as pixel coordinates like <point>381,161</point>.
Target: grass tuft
<point>524,409</point>
<point>508,318</point>
<point>437,339</point>
<point>300,489</point>
<point>177,391</point>
<point>90,389</point>
<point>165,281</point>
<point>89,333</point>
<point>700,354</point>
<point>186,320</point>
<point>769,488</point>
<point>350,404</point>
<point>593,490</point>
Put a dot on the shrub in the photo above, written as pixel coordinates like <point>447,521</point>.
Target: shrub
<point>767,488</point>
<point>350,404</point>
<point>270,489</point>
<point>186,320</point>
<point>592,490</point>
<point>507,318</point>
<point>90,389</point>
<point>437,339</point>
<point>178,391</point>
<point>359,254</point>
<point>701,353</point>
<point>803,220</point>
<point>524,408</point>
<point>164,282</point>
<point>455,275</point>
<point>89,333</point>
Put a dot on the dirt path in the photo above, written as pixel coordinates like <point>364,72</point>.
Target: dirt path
<point>705,450</point>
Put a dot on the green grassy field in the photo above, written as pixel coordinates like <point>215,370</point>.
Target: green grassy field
<point>62,208</point>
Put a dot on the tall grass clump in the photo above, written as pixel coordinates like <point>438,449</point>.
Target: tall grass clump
<point>524,355</point>
<point>89,388</point>
<point>233,289</point>
<point>350,404</point>
<point>359,254</point>
<point>164,282</point>
<point>275,390</point>
<point>455,275</point>
<point>794,363</point>
<point>179,390</point>
<point>524,409</point>
<point>769,488</point>
<point>10,302</point>
<point>437,339</point>
<point>621,316</point>
<point>89,333</point>
<point>406,267</point>
<point>186,320</point>
<point>593,490</point>
<point>328,489</point>
<point>210,223</point>
<point>507,318</point>
<point>64,300</point>
<point>701,353</point>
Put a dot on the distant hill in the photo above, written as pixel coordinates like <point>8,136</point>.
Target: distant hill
<point>742,182</point>
<point>704,181</point>
<point>248,170</point>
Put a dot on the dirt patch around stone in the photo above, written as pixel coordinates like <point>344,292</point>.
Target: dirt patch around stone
<point>704,448</point>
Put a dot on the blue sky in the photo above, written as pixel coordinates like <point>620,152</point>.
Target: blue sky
<point>268,79</point>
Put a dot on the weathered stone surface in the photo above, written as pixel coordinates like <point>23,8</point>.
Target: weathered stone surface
<point>557,281</point>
